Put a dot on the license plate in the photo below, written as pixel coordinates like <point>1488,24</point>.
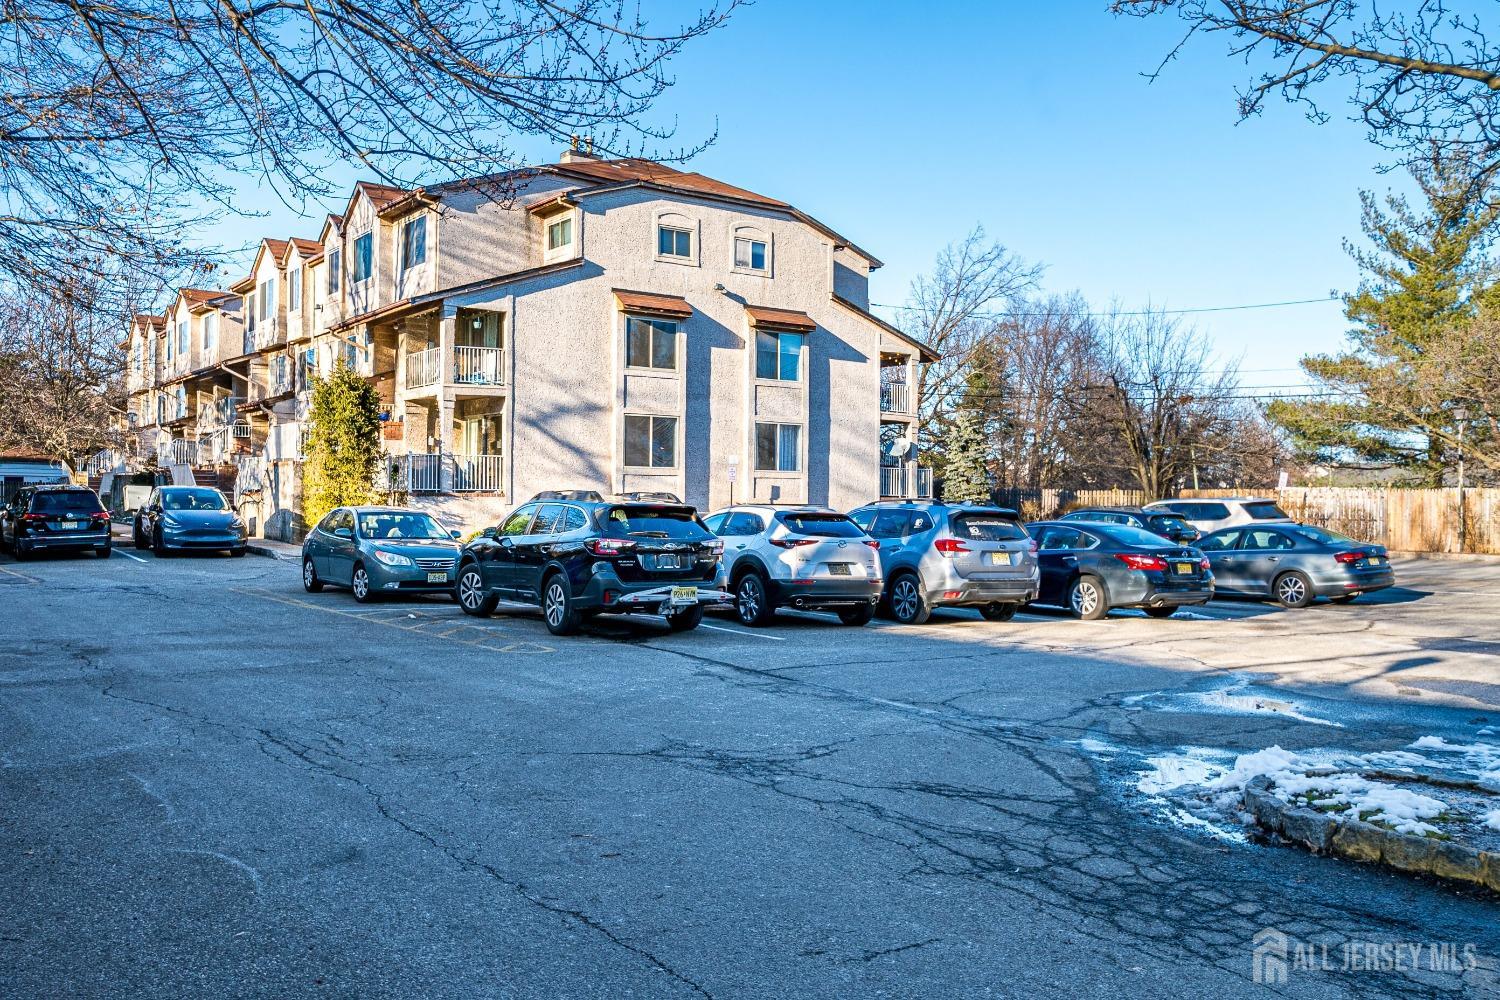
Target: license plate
<point>838,569</point>
<point>684,595</point>
<point>1375,561</point>
<point>669,562</point>
<point>68,522</point>
<point>1184,569</point>
<point>437,577</point>
<point>998,558</point>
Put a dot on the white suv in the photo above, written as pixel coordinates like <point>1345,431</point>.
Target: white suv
<point>799,557</point>
<point>1212,513</point>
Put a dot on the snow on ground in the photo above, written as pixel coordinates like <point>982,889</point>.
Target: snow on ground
<point>1239,695</point>
<point>1491,819</point>
<point>1480,761</point>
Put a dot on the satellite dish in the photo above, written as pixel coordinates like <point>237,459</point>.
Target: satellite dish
<point>898,447</point>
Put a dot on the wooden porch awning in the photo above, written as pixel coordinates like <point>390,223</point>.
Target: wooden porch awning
<point>652,304</point>
<point>780,319</point>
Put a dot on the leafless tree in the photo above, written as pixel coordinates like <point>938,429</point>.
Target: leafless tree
<point>124,123</point>
<point>955,310</point>
<point>60,375</point>
<point>1415,72</point>
<point>1158,401</point>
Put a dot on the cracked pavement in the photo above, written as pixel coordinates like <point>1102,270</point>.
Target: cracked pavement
<point>211,782</point>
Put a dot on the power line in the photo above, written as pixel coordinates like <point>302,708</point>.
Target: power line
<point>1016,314</point>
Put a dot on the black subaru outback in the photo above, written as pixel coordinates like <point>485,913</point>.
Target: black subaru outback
<point>577,558</point>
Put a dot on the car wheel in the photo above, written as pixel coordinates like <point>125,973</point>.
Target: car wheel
<point>686,620</point>
<point>997,612</point>
<point>859,615</point>
<point>136,538</point>
<point>1086,598</point>
<point>158,545</point>
<point>105,552</point>
<point>908,604</point>
<point>752,602</point>
<point>557,606</point>
<point>470,594</point>
<point>359,583</point>
<point>20,550</point>
<point>1292,590</point>
<point>310,581</point>
<point>1162,612</point>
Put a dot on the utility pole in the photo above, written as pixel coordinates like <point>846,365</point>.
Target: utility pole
<point>1461,414</point>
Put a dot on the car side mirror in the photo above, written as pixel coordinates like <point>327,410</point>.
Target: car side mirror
<point>343,532</point>
<point>486,533</point>
<point>455,534</point>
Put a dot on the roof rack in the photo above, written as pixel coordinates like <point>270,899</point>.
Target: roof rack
<point>649,496</point>
<point>583,496</point>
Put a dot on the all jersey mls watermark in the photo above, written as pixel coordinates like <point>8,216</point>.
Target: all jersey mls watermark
<point>1275,956</point>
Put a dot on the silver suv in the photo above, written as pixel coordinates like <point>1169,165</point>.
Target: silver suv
<point>1222,512</point>
<point>945,555</point>
<point>812,558</point>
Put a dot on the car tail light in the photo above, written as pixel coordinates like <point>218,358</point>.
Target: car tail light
<point>610,596</point>
<point>1141,562</point>
<point>716,546</point>
<point>1204,563</point>
<point>1348,557</point>
<point>950,547</point>
<point>33,517</point>
<point>101,516</point>
<point>872,543</point>
<point>609,546</point>
<point>792,543</point>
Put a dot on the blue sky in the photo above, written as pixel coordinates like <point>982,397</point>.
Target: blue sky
<point>903,125</point>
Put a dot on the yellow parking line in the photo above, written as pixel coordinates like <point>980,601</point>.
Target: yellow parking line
<point>490,644</point>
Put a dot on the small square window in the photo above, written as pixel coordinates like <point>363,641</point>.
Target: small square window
<point>650,343</point>
<point>750,254</point>
<point>778,447</point>
<point>560,234</point>
<point>778,355</point>
<point>672,242</point>
<point>650,442</point>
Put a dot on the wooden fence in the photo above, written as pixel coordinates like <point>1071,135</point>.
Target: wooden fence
<point>1401,520</point>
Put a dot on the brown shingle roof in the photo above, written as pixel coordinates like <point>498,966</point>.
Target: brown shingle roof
<point>781,319</point>
<point>652,303</point>
<point>382,195</point>
<point>307,248</point>
<point>661,175</point>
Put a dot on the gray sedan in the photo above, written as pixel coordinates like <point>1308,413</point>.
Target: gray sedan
<point>1295,563</point>
<point>379,550</point>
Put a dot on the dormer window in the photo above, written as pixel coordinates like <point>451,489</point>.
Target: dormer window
<point>413,242</point>
<point>210,333</point>
<point>363,256</point>
<point>294,288</point>
<point>560,234</point>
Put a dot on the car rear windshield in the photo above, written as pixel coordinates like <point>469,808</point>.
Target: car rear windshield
<point>654,522</point>
<point>1264,510</point>
<point>821,525</point>
<point>1136,537</point>
<point>1169,522</point>
<point>1321,535</point>
<point>987,528</point>
<point>1200,511</point>
<point>65,502</point>
<point>193,499</point>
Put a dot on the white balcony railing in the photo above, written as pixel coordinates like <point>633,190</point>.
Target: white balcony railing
<point>479,365</point>
<point>895,397</point>
<point>909,481</point>
<point>478,473</point>
<point>423,367</point>
<point>444,473</point>
<point>105,461</point>
<point>181,452</point>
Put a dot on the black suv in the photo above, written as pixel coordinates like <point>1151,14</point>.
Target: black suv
<point>50,518</point>
<point>577,558</point>
<point>1165,523</point>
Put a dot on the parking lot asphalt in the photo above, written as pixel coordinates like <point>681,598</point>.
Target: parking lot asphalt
<point>212,782</point>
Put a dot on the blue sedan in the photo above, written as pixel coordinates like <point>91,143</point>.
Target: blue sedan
<point>1295,563</point>
<point>379,550</point>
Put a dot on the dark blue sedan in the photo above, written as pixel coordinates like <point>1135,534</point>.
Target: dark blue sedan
<point>182,518</point>
<point>1090,568</point>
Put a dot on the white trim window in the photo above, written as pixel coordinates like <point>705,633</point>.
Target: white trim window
<point>560,234</point>
<point>752,251</point>
<point>294,288</point>
<point>650,441</point>
<point>778,355</point>
<point>364,257</point>
<point>676,238</point>
<point>184,338</point>
<point>210,332</point>
<point>266,299</point>
<point>650,343</point>
<point>778,447</point>
<point>414,242</point>
<point>335,267</point>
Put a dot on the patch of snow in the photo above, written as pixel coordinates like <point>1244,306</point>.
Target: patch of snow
<point>1172,771</point>
<point>1480,760</point>
<point>1491,819</point>
<point>1099,748</point>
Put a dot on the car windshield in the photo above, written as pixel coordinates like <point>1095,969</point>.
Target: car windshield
<point>821,525</point>
<point>399,525</point>
<point>1264,510</point>
<point>654,522</point>
<point>65,502</point>
<point>200,499</point>
<point>1136,537</point>
<point>987,528</point>
<point>1321,535</point>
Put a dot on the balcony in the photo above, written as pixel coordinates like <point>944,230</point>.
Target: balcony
<point>479,365</point>
<point>895,397</point>
<point>446,473</point>
<point>905,482</point>
<point>423,367</point>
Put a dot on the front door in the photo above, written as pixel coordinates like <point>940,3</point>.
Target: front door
<point>500,568</point>
<point>532,550</point>
<point>1225,558</point>
<point>1057,556</point>
<point>340,554</point>
<point>1261,554</point>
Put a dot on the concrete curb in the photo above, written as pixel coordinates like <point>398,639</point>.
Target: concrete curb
<point>265,550</point>
<point>1360,841</point>
<point>1444,556</point>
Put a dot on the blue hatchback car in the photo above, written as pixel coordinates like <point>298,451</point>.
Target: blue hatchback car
<point>379,550</point>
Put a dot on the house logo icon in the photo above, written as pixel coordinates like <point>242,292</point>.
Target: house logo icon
<point>1268,957</point>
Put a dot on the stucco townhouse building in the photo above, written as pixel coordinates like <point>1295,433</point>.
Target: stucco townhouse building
<point>616,325</point>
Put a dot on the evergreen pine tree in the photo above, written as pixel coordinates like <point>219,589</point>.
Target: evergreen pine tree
<point>343,443</point>
<point>967,471</point>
